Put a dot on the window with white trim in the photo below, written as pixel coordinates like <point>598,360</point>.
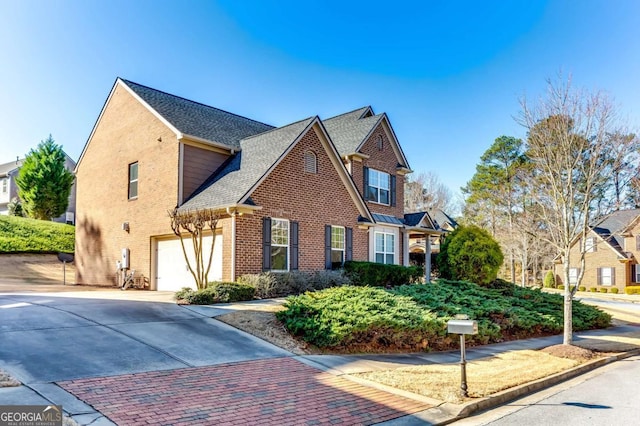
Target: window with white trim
<point>573,275</point>
<point>310,162</point>
<point>279,245</point>
<point>337,246</point>
<point>606,276</point>
<point>590,245</point>
<point>133,180</point>
<point>384,248</point>
<point>378,187</point>
<point>5,185</point>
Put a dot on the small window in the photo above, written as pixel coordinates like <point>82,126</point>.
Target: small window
<point>573,275</point>
<point>590,245</point>
<point>5,185</point>
<point>337,247</point>
<point>384,249</point>
<point>310,162</point>
<point>133,181</point>
<point>279,245</point>
<point>378,187</point>
<point>380,143</point>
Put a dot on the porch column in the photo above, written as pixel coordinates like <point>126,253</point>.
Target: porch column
<point>405,248</point>
<point>427,259</point>
<point>233,246</point>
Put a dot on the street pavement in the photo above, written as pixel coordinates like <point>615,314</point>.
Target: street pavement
<point>112,356</point>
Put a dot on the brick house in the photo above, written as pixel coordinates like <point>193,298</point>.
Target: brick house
<point>9,189</point>
<point>305,196</point>
<point>612,253</point>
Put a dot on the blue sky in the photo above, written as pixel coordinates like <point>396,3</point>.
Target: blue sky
<point>449,74</point>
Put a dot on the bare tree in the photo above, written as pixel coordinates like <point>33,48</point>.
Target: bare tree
<point>573,159</point>
<point>194,225</point>
<point>426,192</point>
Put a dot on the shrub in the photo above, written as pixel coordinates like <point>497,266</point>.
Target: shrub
<point>470,253</point>
<point>614,290</point>
<point>632,289</point>
<point>216,292</point>
<point>15,207</point>
<point>381,275</point>
<point>593,289</point>
<point>549,280</point>
<point>271,284</point>
<point>582,288</point>
<point>560,287</point>
<point>603,289</point>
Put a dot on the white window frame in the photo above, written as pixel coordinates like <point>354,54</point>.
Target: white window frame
<point>590,245</point>
<point>573,276</point>
<point>376,183</point>
<point>5,185</point>
<point>131,181</point>
<point>336,242</point>
<point>386,250</point>
<point>274,243</point>
<point>606,281</point>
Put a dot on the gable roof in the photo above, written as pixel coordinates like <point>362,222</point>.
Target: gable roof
<point>258,154</point>
<point>440,218</point>
<point>7,168</point>
<point>611,227</point>
<point>198,120</point>
<point>351,130</point>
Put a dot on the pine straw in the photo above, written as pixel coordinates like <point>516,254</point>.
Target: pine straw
<point>485,376</point>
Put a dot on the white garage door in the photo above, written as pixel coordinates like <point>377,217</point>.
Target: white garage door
<point>172,271</point>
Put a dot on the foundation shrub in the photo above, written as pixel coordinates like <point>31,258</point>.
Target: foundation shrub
<point>381,275</point>
<point>269,284</point>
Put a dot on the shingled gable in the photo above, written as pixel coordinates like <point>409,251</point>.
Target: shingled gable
<point>233,185</point>
<point>611,229</point>
<point>189,119</point>
<point>351,130</point>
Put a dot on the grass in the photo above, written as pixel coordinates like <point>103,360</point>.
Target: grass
<point>22,235</point>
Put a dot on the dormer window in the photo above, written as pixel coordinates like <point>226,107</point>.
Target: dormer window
<point>310,162</point>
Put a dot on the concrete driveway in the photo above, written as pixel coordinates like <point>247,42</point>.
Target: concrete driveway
<point>51,338</point>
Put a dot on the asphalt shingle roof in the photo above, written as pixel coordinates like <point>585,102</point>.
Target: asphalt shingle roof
<point>196,119</point>
<point>8,167</point>
<point>258,154</point>
<point>413,219</point>
<point>347,131</point>
<point>611,227</point>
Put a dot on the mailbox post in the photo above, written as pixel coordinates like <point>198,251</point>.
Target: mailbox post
<point>462,325</point>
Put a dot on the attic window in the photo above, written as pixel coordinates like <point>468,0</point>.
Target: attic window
<point>310,162</point>
<point>380,143</point>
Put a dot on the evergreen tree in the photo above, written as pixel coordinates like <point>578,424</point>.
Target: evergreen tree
<point>44,183</point>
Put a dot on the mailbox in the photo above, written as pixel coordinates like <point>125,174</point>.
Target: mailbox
<point>458,326</point>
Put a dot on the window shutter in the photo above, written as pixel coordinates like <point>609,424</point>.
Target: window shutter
<point>327,247</point>
<point>348,236</point>
<point>266,243</point>
<point>613,276</point>
<point>365,183</point>
<point>392,185</point>
<point>599,276</point>
<point>633,273</point>
<point>294,245</point>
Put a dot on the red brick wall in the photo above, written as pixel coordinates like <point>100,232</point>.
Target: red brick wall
<point>313,200</point>
<point>126,133</point>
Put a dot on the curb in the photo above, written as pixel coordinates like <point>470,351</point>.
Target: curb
<point>465,410</point>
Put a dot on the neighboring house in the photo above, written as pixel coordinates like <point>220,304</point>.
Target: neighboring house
<point>440,221</point>
<point>9,189</point>
<point>305,196</point>
<point>612,253</point>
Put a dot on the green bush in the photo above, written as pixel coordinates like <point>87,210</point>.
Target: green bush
<point>413,317</point>
<point>603,289</point>
<point>560,287</point>
<point>470,253</point>
<point>22,235</point>
<point>381,275</point>
<point>270,284</point>
<point>216,292</point>
<point>614,290</point>
<point>632,289</point>
<point>593,289</point>
<point>549,280</point>
<point>582,288</point>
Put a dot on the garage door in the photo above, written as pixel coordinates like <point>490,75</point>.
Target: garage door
<point>172,271</point>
